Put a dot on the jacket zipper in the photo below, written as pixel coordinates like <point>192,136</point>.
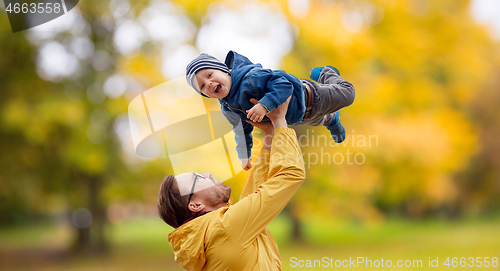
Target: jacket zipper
<point>237,109</point>
<point>232,108</point>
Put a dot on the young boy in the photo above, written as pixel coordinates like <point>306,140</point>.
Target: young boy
<point>238,80</point>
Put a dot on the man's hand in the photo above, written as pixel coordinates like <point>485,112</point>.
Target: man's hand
<point>268,130</point>
<point>277,116</point>
<point>266,127</point>
<point>246,164</point>
<point>257,112</point>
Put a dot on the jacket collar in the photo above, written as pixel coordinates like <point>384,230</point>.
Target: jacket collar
<point>195,216</point>
<point>229,203</point>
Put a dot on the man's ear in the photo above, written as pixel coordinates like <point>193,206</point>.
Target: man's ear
<point>196,207</point>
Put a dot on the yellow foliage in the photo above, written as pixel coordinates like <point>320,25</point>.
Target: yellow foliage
<point>415,73</point>
<point>416,67</point>
<point>145,68</point>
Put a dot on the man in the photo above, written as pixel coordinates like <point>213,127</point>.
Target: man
<point>211,233</point>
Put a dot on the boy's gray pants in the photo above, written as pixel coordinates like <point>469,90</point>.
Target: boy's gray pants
<point>331,94</point>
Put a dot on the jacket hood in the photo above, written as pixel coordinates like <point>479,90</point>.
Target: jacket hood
<point>239,66</point>
<point>188,243</point>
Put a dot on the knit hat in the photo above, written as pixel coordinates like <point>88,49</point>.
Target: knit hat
<point>203,61</point>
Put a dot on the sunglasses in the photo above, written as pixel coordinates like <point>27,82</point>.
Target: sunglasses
<point>194,183</point>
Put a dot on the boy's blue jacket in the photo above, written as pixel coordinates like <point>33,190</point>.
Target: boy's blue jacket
<point>270,87</point>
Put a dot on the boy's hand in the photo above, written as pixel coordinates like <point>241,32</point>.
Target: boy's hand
<point>246,164</point>
<point>256,113</point>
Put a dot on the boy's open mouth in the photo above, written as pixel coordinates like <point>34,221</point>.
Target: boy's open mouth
<point>217,89</point>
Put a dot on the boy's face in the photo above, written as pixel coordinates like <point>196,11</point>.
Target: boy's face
<point>213,83</point>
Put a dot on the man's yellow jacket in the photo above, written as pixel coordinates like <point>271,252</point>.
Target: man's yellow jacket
<point>235,237</point>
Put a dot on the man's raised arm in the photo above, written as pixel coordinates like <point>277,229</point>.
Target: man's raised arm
<point>284,175</point>
<point>259,173</point>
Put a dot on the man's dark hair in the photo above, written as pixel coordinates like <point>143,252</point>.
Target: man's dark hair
<point>172,207</point>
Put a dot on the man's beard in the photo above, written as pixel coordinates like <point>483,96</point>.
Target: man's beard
<point>221,195</point>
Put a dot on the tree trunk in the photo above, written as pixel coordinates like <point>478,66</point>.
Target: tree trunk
<point>92,240</point>
<point>83,241</point>
<point>296,234</point>
<point>98,210</point>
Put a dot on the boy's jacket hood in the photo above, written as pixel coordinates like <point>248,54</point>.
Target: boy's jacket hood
<point>239,66</point>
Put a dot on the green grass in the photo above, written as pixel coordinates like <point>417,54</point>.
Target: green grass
<point>397,240</point>
<point>33,236</point>
<point>142,244</point>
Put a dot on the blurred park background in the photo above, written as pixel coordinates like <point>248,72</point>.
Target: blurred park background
<point>418,177</point>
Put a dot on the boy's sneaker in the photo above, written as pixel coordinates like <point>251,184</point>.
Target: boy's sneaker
<point>336,129</point>
<point>315,72</point>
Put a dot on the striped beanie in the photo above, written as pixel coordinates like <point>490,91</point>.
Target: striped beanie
<point>203,61</point>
